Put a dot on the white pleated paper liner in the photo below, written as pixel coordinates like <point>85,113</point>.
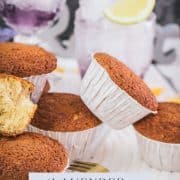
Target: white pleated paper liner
<point>159,155</point>
<point>39,83</point>
<point>68,164</point>
<point>107,101</point>
<point>82,145</point>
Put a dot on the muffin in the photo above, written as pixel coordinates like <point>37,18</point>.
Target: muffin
<point>16,108</point>
<point>47,87</point>
<point>114,93</point>
<point>159,137</point>
<point>30,62</point>
<point>30,152</point>
<point>65,117</point>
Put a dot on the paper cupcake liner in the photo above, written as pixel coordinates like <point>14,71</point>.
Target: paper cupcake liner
<point>39,83</point>
<point>81,145</point>
<point>159,155</point>
<point>107,101</point>
<point>68,164</point>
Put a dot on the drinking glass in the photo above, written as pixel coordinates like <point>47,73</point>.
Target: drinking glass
<point>30,17</point>
<point>132,44</point>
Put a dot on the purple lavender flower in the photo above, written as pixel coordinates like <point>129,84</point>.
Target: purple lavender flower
<point>6,34</point>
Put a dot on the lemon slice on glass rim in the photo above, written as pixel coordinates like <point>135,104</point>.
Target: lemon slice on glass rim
<point>130,11</point>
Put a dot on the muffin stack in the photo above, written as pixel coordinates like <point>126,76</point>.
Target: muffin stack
<point>111,97</point>
<point>20,152</point>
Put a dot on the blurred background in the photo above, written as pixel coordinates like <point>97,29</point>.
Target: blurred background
<point>73,29</point>
<point>168,12</point>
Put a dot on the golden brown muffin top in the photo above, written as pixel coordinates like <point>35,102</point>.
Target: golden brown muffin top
<point>63,112</point>
<point>25,60</point>
<point>164,126</point>
<point>30,152</point>
<point>127,80</point>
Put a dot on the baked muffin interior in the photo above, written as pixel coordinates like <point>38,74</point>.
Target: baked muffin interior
<point>164,126</point>
<point>127,80</point>
<point>16,108</point>
<point>63,112</point>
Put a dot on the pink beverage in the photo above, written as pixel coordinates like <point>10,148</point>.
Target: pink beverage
<point>29,16</point>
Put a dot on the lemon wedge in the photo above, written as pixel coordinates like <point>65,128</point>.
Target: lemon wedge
<point>130,11</point>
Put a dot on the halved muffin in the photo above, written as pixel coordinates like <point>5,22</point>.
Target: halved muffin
<point>16,108</point>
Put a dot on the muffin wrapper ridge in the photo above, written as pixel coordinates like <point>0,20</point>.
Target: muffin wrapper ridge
<point>82,145</point>
<point>68,163</point>
<point>159,155</point>
<point>107,101</point>
<point>39,83</point>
